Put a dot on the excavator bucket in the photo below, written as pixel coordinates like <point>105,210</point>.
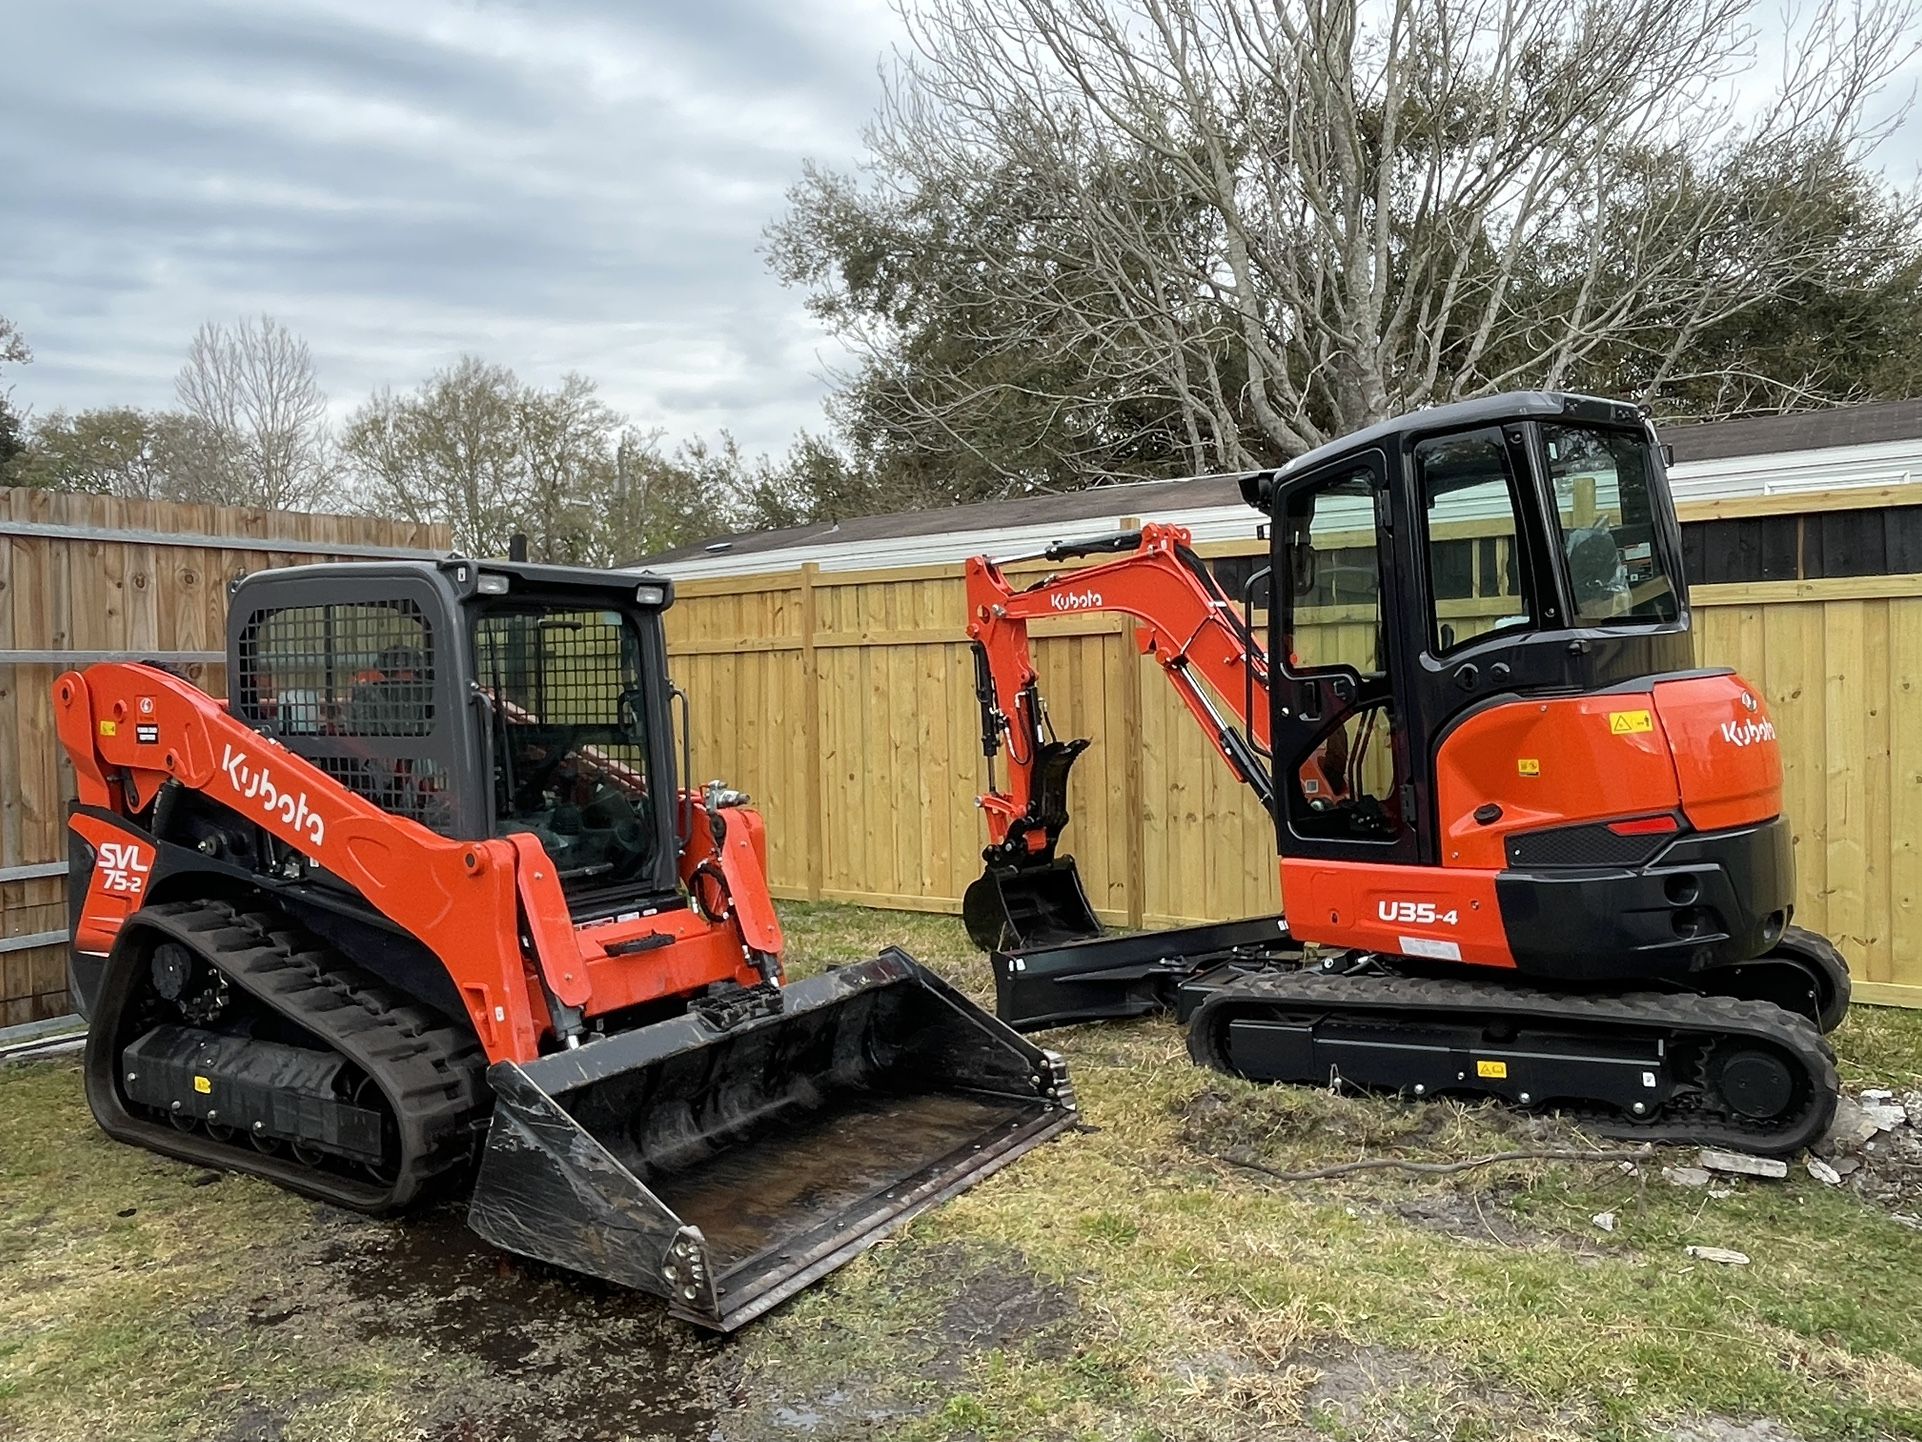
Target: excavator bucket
<point>1012,908</point>
<point>726,1159</point>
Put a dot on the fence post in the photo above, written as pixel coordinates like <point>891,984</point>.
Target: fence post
<point>1135,843</point>
<point>811,732</point>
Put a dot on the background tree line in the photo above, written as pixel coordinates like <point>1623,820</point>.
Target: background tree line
<point>1118,239</point>
<point>1139,238</point>
<point>473,446</point>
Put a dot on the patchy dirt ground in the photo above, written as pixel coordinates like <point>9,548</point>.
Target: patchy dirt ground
<point>1148,1278</point>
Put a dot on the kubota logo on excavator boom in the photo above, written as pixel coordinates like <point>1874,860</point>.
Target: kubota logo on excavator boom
<point>256,783</point>
<point>1076,601</point>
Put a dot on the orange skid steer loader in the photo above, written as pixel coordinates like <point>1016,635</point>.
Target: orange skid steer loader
<point>426,893</point>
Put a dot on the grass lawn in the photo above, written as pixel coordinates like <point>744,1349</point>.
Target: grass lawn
<point>1136,1280</point>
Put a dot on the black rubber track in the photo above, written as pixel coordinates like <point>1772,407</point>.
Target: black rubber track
<point>1828,968</point>
<point>1413,1002</point>
<point>429,1073</point>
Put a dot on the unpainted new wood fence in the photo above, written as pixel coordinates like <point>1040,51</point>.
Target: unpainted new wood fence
<point>844,702</point>
<point>89,578</point>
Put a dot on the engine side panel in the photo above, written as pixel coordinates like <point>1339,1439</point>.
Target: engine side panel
<point>1432,912</point>
<point>1529,765</point>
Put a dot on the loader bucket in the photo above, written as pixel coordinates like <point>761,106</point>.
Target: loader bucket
<point>1012,908</point>
<point>724,1162</point>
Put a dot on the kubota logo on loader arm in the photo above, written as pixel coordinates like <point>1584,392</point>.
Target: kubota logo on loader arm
<point>257,784</point>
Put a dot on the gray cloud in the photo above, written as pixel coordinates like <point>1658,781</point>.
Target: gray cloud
<point>558,186</point>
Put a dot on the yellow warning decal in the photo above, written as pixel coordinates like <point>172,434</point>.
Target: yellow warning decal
<point>1528,766</point>
<point>1496,1070</point>
<point>1624,723</point>
<point>202,1085</point>
<point>109,728</point>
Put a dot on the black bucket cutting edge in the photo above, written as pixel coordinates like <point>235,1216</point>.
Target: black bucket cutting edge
<point>724,1167</point>
<point>1037,903</point>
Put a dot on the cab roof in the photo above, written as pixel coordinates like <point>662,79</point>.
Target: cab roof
<point>1257,486</point>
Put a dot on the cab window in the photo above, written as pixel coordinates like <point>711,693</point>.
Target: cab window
<point>1333,592</point>
<point>1606,509</point>
<point>1477,566</point>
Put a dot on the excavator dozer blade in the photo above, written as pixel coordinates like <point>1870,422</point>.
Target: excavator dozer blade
<point>1012,908</point>
<point>725,1161</point>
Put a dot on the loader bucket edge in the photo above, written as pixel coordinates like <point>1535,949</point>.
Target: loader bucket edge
<point>726,1166</point>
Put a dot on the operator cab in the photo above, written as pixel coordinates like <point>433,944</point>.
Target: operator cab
<point>1523,543</point>
<point>479,699</point>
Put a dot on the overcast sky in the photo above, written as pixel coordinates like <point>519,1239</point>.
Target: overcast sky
<point>553,184</point>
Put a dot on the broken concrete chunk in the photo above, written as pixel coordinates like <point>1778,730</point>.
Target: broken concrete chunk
<point>1827,1175</point>
<point>1913,1223</point>
<point>1686,1176</point>
<point>1604,1220</point>
<point>1743,1165</point>
<point>1912,1104</point>
<point>1887,1116</point>
<point>1719,1254</point>
<point>1848,1166</point>
<point>1850,1129</point>
<point>1875,1094</point>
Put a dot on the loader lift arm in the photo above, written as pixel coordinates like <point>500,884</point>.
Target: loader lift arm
<point>471,902</point>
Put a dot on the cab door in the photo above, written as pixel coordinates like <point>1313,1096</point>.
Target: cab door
<point>1343,771</point>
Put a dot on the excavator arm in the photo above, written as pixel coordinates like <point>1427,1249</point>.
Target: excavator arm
<point>1184,620</point>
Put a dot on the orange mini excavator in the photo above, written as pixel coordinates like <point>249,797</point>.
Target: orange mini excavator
<point>435,837</point>
<point>1530,848</point>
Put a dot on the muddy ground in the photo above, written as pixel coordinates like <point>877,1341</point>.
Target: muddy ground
<point>1147,1277</point>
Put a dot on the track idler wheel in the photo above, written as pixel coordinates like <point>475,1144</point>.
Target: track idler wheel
<point>1753,1082</point>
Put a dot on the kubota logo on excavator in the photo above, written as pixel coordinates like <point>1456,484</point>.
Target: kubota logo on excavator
<point>256,783</point>
<point>1076,601</point>
<point>1747,733</point>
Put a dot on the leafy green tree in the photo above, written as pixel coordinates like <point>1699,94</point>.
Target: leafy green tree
<point>123,451</point>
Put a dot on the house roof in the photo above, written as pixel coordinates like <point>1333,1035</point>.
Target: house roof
<point>1839,426</point>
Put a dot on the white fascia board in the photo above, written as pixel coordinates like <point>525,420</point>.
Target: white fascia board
<point>1837,468</point>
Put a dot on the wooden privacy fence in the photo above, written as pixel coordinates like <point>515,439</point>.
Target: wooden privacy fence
<point>844,702</point>
<point>94,578</point>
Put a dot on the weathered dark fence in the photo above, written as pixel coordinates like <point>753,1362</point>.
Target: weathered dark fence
<point>94,578</point>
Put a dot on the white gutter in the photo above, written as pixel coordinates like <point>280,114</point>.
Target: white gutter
<point>1835,468</point>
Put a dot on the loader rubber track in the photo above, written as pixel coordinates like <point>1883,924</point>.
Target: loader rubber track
<point>1408,1016</point>
<point>430,1075</point>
